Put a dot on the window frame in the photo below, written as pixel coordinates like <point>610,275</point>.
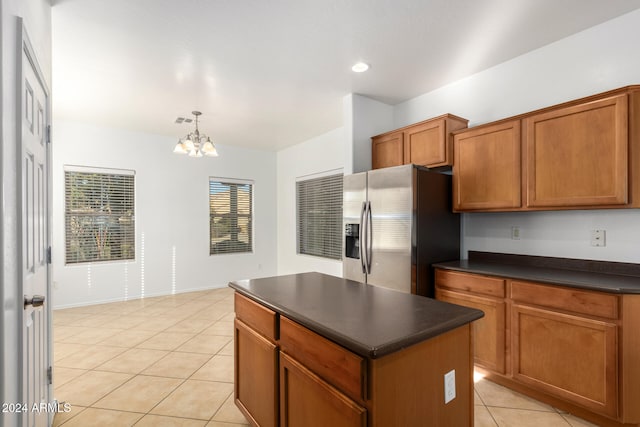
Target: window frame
<point>251,216</point>
<point>99,171</point>
<point>335,253</point>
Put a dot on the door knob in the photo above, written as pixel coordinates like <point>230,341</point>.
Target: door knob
<point>35,301</point>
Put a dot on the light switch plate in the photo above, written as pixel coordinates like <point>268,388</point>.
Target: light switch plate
<point>449,386</point>
<point>598,238</point>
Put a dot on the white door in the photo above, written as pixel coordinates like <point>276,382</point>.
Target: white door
<point>34,118</point>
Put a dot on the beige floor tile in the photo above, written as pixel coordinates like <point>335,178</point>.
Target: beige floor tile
<point>223,424</point>
<point>91,357</point>
<point>156,323</point>
<point>140,394</point>
<point>64,375</point>
<point>166,340</point>
<point>213,314</point>
<point>220,328</point>
<point>577,422</point>
<point>476,399</point>
<point>90,387</point>
<point>63,417</point>
<point>482,417</point>
<point>194,399</point>
<point>218,368</point>
<point>62,350</point>
<point>92,417</point>
<point>126,321</point>
<point>160,421</point>
<point>507,417</point>
<point>91,336</point>
<point>228,350</point>
<point>128,338</point>
<point>61,332</point>
<point>229,413</point>
<point>63,318</point>
<point>132,361</point>
<point>96,320</point>
<point>177,365</point>
<point>208,344</point>
<point>228,317</point>
<point>190,325</point>
<point>496,395</point>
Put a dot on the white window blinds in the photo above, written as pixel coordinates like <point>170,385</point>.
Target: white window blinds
<point>319,212</point>
<point>230,216</point>
<point>99,216</point>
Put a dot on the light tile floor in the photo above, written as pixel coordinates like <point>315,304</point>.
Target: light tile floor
<point>168,361</point>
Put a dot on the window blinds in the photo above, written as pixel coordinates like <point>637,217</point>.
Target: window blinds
<point>230,216</point>
<point>99,216</point>
<point>319,216</point>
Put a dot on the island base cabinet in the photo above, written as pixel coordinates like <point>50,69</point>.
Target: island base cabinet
<point>407,387</point>
<point>256,376</point>
<point>308,401</point>
<point>572,357</point>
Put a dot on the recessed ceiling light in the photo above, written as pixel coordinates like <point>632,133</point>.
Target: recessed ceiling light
<point>360,67</point>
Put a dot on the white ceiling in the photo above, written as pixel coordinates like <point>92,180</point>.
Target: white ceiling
<point>271,73</point>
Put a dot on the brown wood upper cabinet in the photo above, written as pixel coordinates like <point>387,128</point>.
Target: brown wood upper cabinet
<point>577,155</point>
<point>487,168</point>
<point>427,143</point>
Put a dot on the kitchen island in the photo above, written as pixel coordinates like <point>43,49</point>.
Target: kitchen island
<point>318,350</point>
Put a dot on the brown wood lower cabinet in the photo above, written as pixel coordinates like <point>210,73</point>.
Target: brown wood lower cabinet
<point>565,355</point>
<point>576,349</point>
<point>256,376</point>
<point>307,400</point>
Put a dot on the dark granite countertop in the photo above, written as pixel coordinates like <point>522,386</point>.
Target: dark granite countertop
<point>602,276</point>
<point>368,320</point>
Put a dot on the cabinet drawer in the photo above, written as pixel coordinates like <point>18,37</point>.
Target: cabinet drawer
<point>257,316</point>
<point>577,301</point>
<point>333,363</point>
<point>483,285</point>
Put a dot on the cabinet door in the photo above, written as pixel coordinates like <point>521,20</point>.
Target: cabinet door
<point>577,156</point>
<point>489,331</point>
<point>572,357</point>
<point>256,376</point>
<point>307,401</point>
<point>387,150</point>
<point>486,168</point>
<point>426,144</point>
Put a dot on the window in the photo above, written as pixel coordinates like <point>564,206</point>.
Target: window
<point>99,215</point>
<point>230,216</point>
<point>319,224</point>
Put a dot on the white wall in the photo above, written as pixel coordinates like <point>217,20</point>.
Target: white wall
<point>36,15</point>
<point>369,118</point>
<point>317,155</point>
<point>172,216</point>
<point>593,61</point>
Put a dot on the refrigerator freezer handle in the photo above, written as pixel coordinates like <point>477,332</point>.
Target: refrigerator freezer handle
<point>363,254</point>
<point>369,233</point>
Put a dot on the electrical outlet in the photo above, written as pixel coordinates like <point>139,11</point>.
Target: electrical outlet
<point>598,238</point>
<point>515,233</point>
<point>449,386</point>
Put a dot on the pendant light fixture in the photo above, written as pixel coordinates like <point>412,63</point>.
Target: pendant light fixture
<point>195,144</point>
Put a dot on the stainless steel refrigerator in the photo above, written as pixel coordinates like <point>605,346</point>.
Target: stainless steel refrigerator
<point>397,222</point>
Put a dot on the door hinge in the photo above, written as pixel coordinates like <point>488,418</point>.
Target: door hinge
<point>48,134</point>
<point>49,255</point>
<point>50,374</point>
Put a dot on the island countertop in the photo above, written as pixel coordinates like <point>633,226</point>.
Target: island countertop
<point>368,320</point>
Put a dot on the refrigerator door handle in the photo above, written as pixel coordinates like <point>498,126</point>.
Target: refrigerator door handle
<point>369,237</point>
<point>363,253</point>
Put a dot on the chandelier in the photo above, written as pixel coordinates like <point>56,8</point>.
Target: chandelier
<point>195,144</point>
